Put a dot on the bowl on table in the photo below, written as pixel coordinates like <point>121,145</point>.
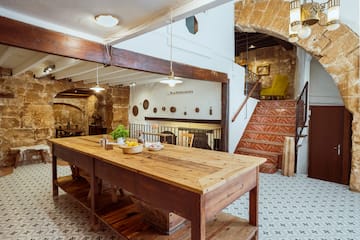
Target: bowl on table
<point>157,146</point>
<point>131,149</point>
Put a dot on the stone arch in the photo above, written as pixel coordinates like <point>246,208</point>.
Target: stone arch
<point>337,51</point>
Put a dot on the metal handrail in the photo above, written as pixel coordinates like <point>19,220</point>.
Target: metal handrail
<point>301,116</point>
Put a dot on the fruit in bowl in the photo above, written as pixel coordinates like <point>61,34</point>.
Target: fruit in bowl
<point>131,147</point>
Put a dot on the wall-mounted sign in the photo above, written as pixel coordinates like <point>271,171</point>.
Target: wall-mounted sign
<point>181,92</point>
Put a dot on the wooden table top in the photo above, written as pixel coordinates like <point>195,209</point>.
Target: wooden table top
<point>194,169</point>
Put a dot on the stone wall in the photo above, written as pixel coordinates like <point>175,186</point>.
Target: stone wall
<point>337,51</point>
<point>279,60</point>
<point>31,115</point>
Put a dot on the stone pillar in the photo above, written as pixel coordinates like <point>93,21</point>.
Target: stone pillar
<point>355,164</point>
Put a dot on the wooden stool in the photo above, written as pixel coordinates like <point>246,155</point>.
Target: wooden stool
<point>42,149</point>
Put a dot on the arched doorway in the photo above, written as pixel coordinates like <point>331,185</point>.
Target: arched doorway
<point>337,51</point>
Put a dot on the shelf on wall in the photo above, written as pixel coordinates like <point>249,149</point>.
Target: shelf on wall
<point>210,121</point>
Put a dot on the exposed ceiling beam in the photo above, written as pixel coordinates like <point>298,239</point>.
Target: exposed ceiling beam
<point>104,72</point>
<point>131,74</point>
<point>61,65</point>
<point>22,35</point>
<point>78,70</point>
<point>30,63</point>
<point>142,81</point>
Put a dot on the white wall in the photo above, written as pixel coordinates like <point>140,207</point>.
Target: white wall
<point>236,98</point>
<point>185,97</point>
<point>323,90</point>
<point>212,48</point>
<point>349,14</point>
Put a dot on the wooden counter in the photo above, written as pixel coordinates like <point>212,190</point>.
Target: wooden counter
<point>193,183</point>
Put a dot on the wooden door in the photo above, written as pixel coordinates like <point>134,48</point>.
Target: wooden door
<point>329,143</point>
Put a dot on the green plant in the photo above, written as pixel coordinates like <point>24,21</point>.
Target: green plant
<point>119,132</point>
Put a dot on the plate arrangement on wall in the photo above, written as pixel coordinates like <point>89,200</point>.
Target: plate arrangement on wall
<point>135,110</point>
<point>172,109</point>
<point>154,110</point>
<point>146,104</point>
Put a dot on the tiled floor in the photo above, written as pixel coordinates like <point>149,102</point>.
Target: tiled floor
<point>289,208</point>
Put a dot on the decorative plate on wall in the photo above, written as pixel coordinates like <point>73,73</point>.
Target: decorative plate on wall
<point>197,109</point>
<point>135,110</point>
<point>163,108</point>
<point>146,104</point>
<point>172,109</point>
<point>155,110</point>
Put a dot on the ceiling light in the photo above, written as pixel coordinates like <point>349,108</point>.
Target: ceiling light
<point>303,15</point>
<point>106,20</point>
<point>171,81</point>
<point>97,88</point>
<point>49,68</point>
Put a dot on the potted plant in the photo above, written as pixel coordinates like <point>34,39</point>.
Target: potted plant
<point>120,133</point>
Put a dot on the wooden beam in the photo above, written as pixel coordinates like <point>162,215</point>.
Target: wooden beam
<point>31,37</point>
<point>23,35</point>
<point>128,59</point>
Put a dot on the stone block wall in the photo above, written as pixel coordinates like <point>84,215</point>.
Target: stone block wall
<point>337,51</point>
<point>279,60</point>
<point>31,115</point>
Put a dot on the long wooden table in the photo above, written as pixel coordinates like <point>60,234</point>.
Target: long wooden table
<point>193,183</point>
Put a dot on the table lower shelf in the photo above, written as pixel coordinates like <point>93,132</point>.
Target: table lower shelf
<point>126,218</point>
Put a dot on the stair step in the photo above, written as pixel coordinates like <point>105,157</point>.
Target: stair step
<point>267,127</point>
<point>275,111</point>
<point>270,133</point>
<point>272,137</point>
<point>261,145</point>
<point>268,167</point>
<point>261,141</point>
<point>281,116</point>
<point>273,119</point>
<point>272,157</point>
<point>277,103</point>
<point>265,153</point>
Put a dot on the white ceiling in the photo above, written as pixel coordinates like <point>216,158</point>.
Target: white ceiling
<point>76,17</point>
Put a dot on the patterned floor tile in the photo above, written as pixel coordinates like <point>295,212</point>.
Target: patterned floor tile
<point>290,208</point>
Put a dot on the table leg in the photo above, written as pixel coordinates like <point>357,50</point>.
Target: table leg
<point>54,176</point>
<point>198,222</point>
<point>93,219</point>
<point>253,203</point>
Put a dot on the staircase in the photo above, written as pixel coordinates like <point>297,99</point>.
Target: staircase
<point>265,133</point>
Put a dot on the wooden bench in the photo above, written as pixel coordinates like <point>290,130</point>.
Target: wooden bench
<point>42,149</point>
